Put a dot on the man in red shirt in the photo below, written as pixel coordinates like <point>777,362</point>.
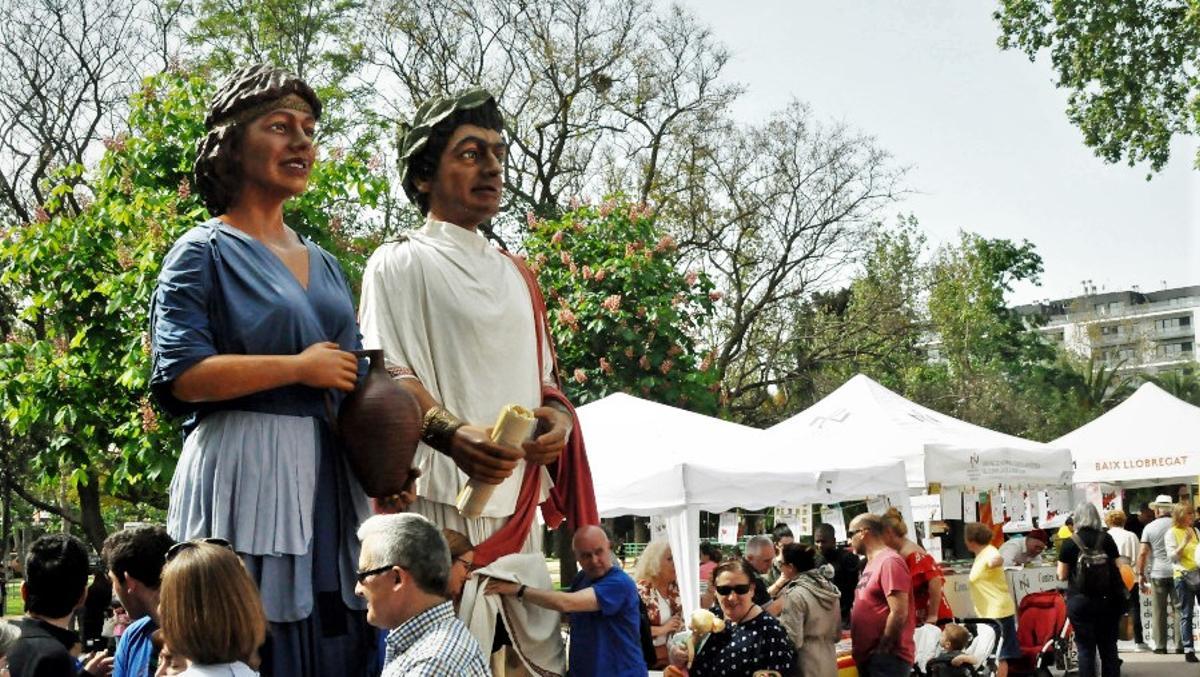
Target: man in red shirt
<point>883,618</point>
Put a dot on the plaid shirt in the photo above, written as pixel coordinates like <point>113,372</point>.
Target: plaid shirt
<point>433,643</point>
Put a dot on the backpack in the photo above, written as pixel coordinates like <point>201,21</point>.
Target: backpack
<point>1093,575</point>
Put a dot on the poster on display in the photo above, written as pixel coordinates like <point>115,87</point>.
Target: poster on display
<point>1093,495</point>
<point>1058,503</point>
<point>993,467</point>
<point>832,515</point>
<point>952,503</point>
<point>658,528</point>
<point>1020,513</point>
<point>926,508</point>
<point>877,505</point>
<point>1112,498</point>
<point>797,517</point>
<point>934,547</point>
<point>727,528</point>
<point>971,507</point>
<point>996,499</point>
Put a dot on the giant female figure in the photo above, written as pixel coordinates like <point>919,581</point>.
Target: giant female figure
<point>251,326</point>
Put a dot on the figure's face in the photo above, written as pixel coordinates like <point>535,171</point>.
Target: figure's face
<point>1034,547</point>
<point>783,540</point>
<point>858,538</point>
<point>735,594</point>
<point>460,571</point>
<point>277,153</point>
<point>170,663</point>
<point>667,567</point>
<point>467,187</point>
<point>593,554</point>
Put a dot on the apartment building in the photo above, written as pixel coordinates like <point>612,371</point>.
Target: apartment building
<point>1146,331</point>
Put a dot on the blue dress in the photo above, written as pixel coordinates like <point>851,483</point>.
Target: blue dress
<point>262,471</point>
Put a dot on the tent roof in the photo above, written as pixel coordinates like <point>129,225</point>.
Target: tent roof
<point>648,457</point>
<point>863,422</point>
<point>1151,436</point>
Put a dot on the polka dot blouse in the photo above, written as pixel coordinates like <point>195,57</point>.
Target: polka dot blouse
<point>760,643</point>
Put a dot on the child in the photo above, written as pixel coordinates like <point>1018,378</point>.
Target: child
<point>952,662</point>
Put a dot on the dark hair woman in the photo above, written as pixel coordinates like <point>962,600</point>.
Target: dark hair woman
<point>251,324</point>
<point>927,578</point>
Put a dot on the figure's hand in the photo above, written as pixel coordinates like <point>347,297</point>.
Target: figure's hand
<point>480,458</point>
<point>673,624</point>
<point>554,426</point>
<point>326,365</point>
<point>401,501</point>
<point>503,588</point>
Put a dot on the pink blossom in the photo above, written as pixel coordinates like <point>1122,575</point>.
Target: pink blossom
<point>557,238</point>
<point>115,144</point>
<point>612,303</point>
<point>587,272</point>
<point>581,377</point>
<point>715,296</point>
<point>374,163</point>
<point>566,317</point>
<point>644,363</point>
<point>574,203</point>
<point>41,215</point>
<point>531,220</point>
<point>691,277</point>
<point>335,225</point>
<point>605,366</point>
<point>676,299</point>
<point>600,275</point>
<point>607,207</point>
<point>666,365</point>
<point>337,153</point>
<point>674,350</point>
<point>149,416</point>
<point>665,244</point>
<point>571,268</point>
<point>565,257</point>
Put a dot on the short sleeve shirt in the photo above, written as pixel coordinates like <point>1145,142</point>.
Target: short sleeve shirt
<point>1155,534</point>
<point>885,574</point>
<point>989,588</point>
<point>607,641</point>
<point>135,650</point>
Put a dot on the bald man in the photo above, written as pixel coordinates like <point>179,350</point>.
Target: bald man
<point>602,607</point>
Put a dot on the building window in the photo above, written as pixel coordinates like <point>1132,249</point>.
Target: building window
<point>1110,330</point>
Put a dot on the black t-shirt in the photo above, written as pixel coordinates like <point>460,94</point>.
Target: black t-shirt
<point>761,596</point>
<point>1068,553</point>
<point>42,650</point>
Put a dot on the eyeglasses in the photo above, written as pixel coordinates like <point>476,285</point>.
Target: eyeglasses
<point>362,576</point>
<point>851,532</point>
<point>187,545</point>
<point>740,588</point>
<point>469,566</point>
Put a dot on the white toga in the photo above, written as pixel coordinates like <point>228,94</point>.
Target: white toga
<point>454,311</point>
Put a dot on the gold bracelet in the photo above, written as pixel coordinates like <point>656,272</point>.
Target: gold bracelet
<point>438,428</point>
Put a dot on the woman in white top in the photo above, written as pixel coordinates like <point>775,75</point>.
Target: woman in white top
<point>1127,541</point>
<point>210,610</point>
<point>655,576</point>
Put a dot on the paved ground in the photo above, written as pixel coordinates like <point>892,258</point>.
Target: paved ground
<point>1154,665</point>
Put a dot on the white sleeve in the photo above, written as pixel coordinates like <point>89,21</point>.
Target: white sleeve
<point>390,312</point>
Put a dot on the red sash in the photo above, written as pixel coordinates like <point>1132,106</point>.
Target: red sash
<point>572,497</point>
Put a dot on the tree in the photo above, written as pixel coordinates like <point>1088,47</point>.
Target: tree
<point>623,316</point>
<point>75,369</point>
<point>773,212</point>
<point>1131,67</point>
<point>1182,383</point>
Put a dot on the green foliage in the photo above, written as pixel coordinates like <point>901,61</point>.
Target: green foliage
<point>1130,67</point>
<point>76,370</point>
<point>1182,383</point>
<point>623,315</point>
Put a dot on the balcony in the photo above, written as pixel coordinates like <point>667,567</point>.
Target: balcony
<point>1187,331</point>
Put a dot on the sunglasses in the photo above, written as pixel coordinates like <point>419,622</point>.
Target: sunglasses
<point>850,533</point>
<point>740,588</point>
<point>188,545</point>
<point>362,576</point>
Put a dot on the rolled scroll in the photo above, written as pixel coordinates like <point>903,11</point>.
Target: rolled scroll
<point>513,426</point>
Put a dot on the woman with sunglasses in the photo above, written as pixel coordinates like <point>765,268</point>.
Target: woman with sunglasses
<point>210,611</point>
<point>752,640</point>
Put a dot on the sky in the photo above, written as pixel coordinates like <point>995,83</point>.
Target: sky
<point>983,133</point>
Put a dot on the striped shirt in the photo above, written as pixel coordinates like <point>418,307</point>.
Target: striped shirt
<point>433,643</point>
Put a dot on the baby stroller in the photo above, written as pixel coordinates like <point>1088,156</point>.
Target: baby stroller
<point>984,646</point>
<point>1044,635</point>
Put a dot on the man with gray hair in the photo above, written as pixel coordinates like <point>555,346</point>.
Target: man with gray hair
<point>759,553</point>
<point>404,569</point>
<point>1155,574</point>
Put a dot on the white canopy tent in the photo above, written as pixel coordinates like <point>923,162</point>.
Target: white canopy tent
<point>652,459</point>
<point>1150,438</point>
<point>863,422</point>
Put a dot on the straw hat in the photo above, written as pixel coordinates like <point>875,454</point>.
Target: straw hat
<point>1163,501</point>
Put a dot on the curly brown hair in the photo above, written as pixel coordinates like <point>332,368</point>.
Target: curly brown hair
<point>217,173</point>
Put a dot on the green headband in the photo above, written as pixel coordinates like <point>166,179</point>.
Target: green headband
<point>413,137</point>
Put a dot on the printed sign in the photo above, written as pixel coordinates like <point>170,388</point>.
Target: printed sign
<point>727,528</point>
<point>832,515</point>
